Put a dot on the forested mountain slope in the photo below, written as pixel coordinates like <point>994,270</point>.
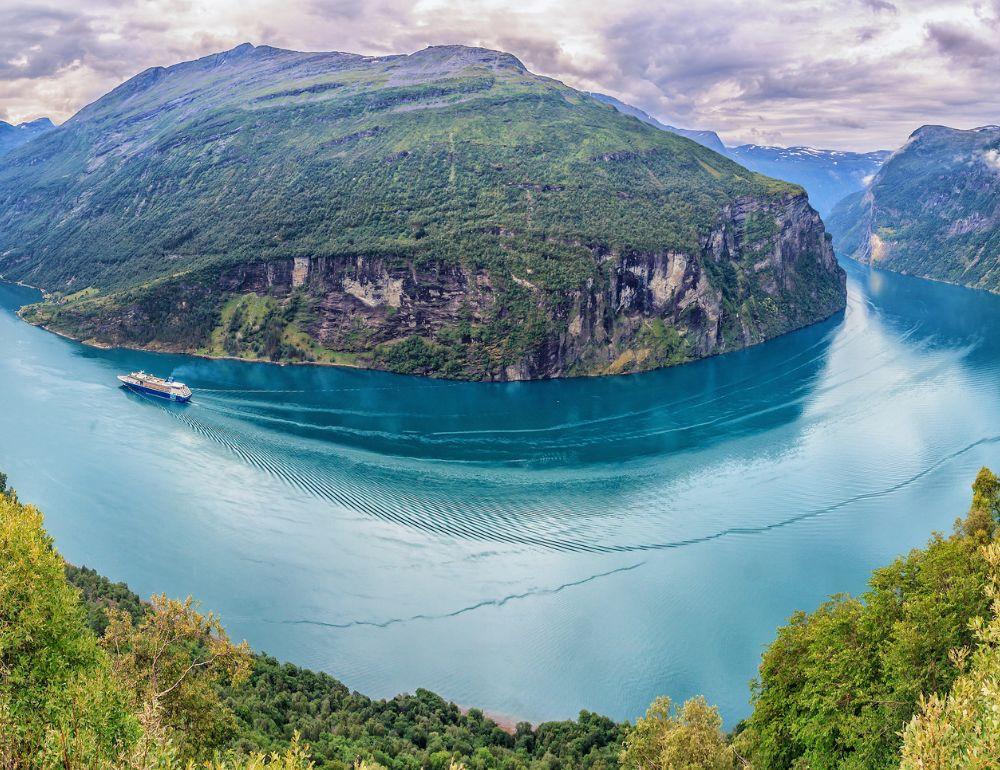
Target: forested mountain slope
<point>933,210</point>
<point>708,139</point>
<point>445,212</point>
<point>827,175</point>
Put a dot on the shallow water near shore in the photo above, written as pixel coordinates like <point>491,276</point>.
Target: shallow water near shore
<point>529,548</point>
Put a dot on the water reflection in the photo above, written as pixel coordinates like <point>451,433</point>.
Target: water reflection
<point>575,544</point>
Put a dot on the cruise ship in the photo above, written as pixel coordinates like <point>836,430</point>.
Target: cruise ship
<point>149,385</point>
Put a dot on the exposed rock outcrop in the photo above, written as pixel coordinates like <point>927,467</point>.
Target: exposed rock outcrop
<point>933,210</point>
<point>639,311</point>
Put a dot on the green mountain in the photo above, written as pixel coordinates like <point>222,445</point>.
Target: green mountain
<point>444,213</point>
<point>933,210</point>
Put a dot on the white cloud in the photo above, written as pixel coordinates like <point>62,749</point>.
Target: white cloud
<point>992,159</point>
<point>855,74</point>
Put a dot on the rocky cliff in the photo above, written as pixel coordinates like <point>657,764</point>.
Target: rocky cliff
<point>445,213</point>
<point>933,210</point>
<point>641,310</point>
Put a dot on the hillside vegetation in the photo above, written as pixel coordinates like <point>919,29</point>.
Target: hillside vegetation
<point>907,675</point>
<point>827,175</point>
<point>446,213</point>
<point>933,210</point>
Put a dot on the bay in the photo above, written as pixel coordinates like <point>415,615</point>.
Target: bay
<point>529,548</point>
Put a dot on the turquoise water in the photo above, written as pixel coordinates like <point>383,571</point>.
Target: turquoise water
<point>530,548</point>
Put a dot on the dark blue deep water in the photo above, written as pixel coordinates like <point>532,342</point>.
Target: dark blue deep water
<point>531,548</point>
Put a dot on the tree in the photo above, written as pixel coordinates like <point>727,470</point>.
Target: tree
<point>170,663</point>
<point>6,491</point>
<point>690,738</point>
<point>963,729</point>
<point>58,701</point>
<point>837,686</point>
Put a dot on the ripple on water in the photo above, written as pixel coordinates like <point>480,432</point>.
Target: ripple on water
<point>577,544</point>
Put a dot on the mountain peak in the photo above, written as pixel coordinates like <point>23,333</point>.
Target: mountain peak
<point>932,129</point>
<point>38,124</point>
<point>464,55</point>
<point>12,137</point>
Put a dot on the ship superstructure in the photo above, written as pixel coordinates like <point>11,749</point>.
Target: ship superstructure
<point>150,385</point>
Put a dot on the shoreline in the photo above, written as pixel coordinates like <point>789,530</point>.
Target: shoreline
<point>209,356</point>
<point>505,722</point>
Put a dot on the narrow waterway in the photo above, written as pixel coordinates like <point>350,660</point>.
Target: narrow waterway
<point>531,548</point>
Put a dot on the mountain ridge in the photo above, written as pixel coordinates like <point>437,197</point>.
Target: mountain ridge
<point>827,175</point>
<point>932,210</point>
<point>444,212</point>
<point>13,136</point>
<point>708,139</point>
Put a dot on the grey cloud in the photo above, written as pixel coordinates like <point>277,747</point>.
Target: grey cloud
<point>846,122</point>
<point>963,44</point>
<point>880,6</point>
<point>751,73</point>
<point>339,9</point>
<point>792,71</point>
<point>38,42</point>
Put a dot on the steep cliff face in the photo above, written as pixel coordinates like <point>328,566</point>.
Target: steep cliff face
<point>445,213</point>
<point>933,210</point>
<point>640,310</point>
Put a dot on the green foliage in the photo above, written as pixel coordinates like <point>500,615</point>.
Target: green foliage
<point>838,685</point>
<point>171,662</point>
<point>909,669</point>
<point>665,344</point>
<point>688,738</point>
<point>57,696</point>
<point>339,727</point>
<point>416,355</point>
<point>98,595</point>
<point>254,327</point>
<point>165,196</point>
<point>140,703</point>
<point>932,210</point>
<point>759,230</point>
<point>962,730</point>
<point>408,731</point>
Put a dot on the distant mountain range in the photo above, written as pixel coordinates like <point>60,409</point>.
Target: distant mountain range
<point>933,210</point>
<point>13,136</point>
<point>827,175</point>
<point>446,212</point>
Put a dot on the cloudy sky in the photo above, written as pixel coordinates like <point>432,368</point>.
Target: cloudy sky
<point>850,74</point>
